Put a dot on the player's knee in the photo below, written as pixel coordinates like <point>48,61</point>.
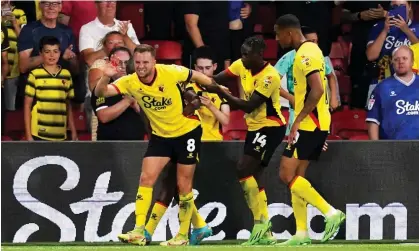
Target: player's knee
<point>246,167</point>
<point>285,177</point>
<point>147,179</point>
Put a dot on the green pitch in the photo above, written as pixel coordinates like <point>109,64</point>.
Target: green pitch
<point>214,246</point>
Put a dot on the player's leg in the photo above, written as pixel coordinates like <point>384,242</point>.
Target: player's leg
<point>165,197</point>
<point>151,168</point>
<point>263,199</point>
<point>278,134</point>
<point>259,147</point>
<point>157,156</point>
<point>309,147</point>
<point>299,207</point>
<point>187,155</point>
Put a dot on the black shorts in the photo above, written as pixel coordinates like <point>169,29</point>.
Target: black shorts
<point>309,145</point>
<point>262,143</point>
<point>183,149</point>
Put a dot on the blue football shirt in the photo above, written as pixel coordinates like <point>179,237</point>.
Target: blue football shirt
<point>395,38</point>
<point>394,106</point>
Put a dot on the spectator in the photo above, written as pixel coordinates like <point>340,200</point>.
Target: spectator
<point>214,111</point>
<point>31,34</point>
<point>384,39</point>
<point>394,105</point>
<point>14,20</point>
<point>239,16</point>
<point>110,41</point>
<point>119,116</point>
<point>91,35</point>
<point>51,87</point>
<point>207,23</point>
<point>316,14</point>
<point>29,39</point>
<point>362,15</point>
<point>4,71</point>
<point>31,8</point>
<point>5,46</point>
<point>75,14</point>
<point>93,32</point>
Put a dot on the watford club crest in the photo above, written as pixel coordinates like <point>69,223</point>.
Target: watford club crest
<point>63,82</point>
<point>213,100</point>
<point>161,88</point>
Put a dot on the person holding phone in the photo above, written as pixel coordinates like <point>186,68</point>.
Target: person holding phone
<point>118,116</point>
<point>397,29</point>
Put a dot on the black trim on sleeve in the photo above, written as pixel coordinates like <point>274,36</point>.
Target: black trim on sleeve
<point>261,95</point>
<point>189,76</point>
<point>312,72</point>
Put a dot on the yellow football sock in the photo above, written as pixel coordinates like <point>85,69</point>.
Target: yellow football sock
<point>299,206</point>
<point>158,211</point>
<point>302,188</point>
<point>251,194</point>
<point>263,204</point>
<point>142,204</point>
<point>197,220</point>
<point>186,208</point>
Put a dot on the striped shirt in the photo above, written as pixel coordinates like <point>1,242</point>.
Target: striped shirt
<point>49,111</point>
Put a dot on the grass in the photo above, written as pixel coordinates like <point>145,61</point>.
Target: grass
<point>219,246</point>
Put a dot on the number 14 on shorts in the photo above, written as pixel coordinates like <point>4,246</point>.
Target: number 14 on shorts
<point>260,138</point>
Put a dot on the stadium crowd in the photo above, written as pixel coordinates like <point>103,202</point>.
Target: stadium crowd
<point>376,94</point>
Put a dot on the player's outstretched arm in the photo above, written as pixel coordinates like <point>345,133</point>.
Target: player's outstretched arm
<point>316,91</point>
<point>224,77</point>
<point>247,106</point>
<point>208,83</point>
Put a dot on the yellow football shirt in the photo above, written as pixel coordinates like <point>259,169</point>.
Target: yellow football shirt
<point>13,55</point>
<point>162,100</point>
<point>308,60</point>
<point>415,49</point>
<point>211,127</point>
<point>49,111</point>
<point>265,83</point>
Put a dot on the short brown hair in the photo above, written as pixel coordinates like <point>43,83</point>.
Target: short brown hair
<point>145,48</point>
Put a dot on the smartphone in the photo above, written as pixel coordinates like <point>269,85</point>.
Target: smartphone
<point>400,10</point>
<point>6,11</point>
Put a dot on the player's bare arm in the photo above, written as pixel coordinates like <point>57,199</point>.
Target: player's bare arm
<point>316,91</point>
<point>334,102</point>
<point>288,96</point>
<point>193,102</point>
<point>247,106</point>
<point>208,83</point>
<point>224,77</point>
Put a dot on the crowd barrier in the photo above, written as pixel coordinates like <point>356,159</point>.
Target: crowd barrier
<point>85,191</point>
